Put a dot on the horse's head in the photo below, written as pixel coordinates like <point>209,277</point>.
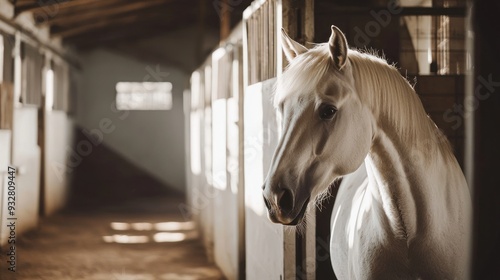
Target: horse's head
<point>326,131</point>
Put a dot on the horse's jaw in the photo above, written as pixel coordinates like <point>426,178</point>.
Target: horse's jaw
<point>300,215</point>
<point>287,219</point>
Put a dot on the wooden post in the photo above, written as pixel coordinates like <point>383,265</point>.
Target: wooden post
<point>482,139</point>
<point>225,20</point>
<point>201,32</point>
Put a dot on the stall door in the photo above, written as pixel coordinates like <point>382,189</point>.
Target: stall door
<point>26,158</point>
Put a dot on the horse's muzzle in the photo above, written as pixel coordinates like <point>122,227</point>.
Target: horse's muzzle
<point>282,210</point>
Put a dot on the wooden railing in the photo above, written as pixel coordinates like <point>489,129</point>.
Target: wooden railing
<point>261,22</point>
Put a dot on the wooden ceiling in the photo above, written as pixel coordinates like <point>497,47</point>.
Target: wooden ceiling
<point>91,23</point>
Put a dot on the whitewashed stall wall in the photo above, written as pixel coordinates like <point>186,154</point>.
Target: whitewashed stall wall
<point>269,246</point>
<point>233,131</point>
<point>215,191</point>
<point>59,139</point>
<point>22,79</point>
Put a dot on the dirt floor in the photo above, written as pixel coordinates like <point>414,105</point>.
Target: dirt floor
<point>92,244</point>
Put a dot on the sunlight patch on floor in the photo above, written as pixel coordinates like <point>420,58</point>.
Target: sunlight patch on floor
<point>162,226</point>
<point>158,232</point>
<point>125,239</point>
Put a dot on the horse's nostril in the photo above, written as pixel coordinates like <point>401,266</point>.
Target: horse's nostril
<point>267,203</point>
<point>285,201</point>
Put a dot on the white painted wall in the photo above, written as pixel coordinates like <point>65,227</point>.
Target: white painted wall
<point>196,174</point>
<point>5,144</point>
<point>19,146</point>
<point>153,140</point>
<point>265,241</point>
<point>58,142</point>
<point>200,190</point>
<point>215,192</point>
<point>226,153</point>
<point>207,189</point>
<point>26,158</point>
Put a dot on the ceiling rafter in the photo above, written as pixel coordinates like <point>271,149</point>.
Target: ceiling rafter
<point>118,35</point>
<point>142,29</point>
<point>75,8</point>
<point>40,5</point>
<point>132,18</point>
<point>102,9</point>
<point>111,22</point>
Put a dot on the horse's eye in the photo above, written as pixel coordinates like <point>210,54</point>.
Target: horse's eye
<point>327,112</point>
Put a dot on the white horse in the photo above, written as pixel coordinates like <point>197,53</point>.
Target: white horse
<point>403,209</point>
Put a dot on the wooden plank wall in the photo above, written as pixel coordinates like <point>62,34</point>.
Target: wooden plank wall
<point>442,97</point>
<point>262,41</point>
<point>32,72</point>
<point>6,105</point>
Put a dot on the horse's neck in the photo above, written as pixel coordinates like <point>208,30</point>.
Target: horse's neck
<point>409,181</point>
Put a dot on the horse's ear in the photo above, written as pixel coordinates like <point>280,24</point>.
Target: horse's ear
<point>338,47</point>
<point>290,47</point>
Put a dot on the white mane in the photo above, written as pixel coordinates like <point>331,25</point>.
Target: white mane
<point>379,85</point>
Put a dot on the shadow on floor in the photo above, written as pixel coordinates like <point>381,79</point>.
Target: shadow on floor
<point>142,239</point>
<point>120,224</point>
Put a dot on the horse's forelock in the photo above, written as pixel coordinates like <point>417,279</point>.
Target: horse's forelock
<point>304,72</point>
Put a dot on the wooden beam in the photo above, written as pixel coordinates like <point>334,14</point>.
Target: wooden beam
<point>140,30</point>
<point>23,2</point>
<point>70,9</point>
<point>144,54</point>
<point>102,10</point>
<point>73,31</point>
<point>42,14</point>
<point>118,34</point>
<point>122,21</point>
<point>23,6</point>
<point>153,14</point>
<point>28,33</point>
